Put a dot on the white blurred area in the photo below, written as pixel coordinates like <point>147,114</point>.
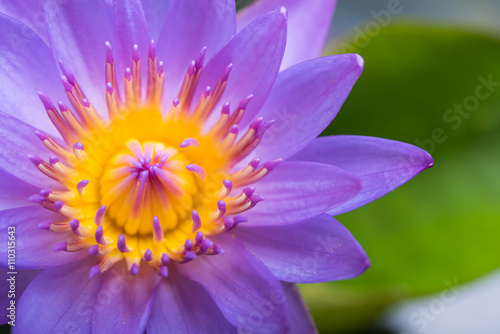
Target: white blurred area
<point>469,309</point>
<point>474,14</point>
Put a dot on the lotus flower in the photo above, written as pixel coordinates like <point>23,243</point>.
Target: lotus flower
<point>176,184</point>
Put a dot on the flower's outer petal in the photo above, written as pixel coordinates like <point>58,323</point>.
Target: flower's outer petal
<point>191,25</point>
<point>14,192</point>
<point>18,141</point>
<point>296,191</point>
<point>156,13</point>
<point>130,28</point>
<point>77,32</point>
<point>302,321</point>
<point>246,292</point>
<point>26,67</point>
<point>124,301</point>
<point>382,165</point>
<point>319,249</point>
<point>308,25</point>
<point>13,287</point>
<point>34,247</point>
<point>303,102</point>
<point>256,53</point>
<point>29,12</point>
<point>67,296</point>
<point>183,306</point>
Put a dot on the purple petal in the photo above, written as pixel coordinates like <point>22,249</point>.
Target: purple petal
<point>18,141</point>
<point>246,292</point>
<point>308,26</point>
<point>296,191</point>
<point>27,67</point>
<point>21,280</point>
<point>382,165</point>
<point>303,102</point>
<point>190,26</point>
<point>77,33</point>
<point>256,54</point>
<point>319,249</point>
<point>302,321</point>
<point>130,28</point>
<point>29,12</point>
<point>183,306</point>
<point>67,296</point>
<point>124,301</point>
<point>34,247</point>
<point>156,12</point>
<point>14,192</point>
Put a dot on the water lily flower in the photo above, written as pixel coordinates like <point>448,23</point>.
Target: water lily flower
<point>171,180</point>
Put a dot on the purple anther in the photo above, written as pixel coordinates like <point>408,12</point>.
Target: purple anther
<point>228,185</point>
<point>239,219</point>
<point>58,205</point>
<point>134,270</point>
<point>35,160</point>
<point>256,123</point>
<point>67,72</point>
<point>122,244</point>
<point>189,256</point>
<point>160,69</point>
<point>207,91</point>
<point>157,230</point>
<point>152,50</point>
<point>99,216</point>
<point>94,271</point>
<point>42,136</point>
<point>60,246</point>
<point>188,244</point>
<point>248,191</point>
<point>226,109</point>
<point>148,255</point>
<point>128,74</point>
<point>271,165</point>
<point>62,106</point>
<point>78,146</point>
<point>109,53</point>
<point>221,205</point>
<point>228,223</point>
<point>163,272</point>
<point>263,128</point>
<point>198,238</point>
<point>254,163</point>
<point>191,68</point>
<point>227,72</point>
<point>244,103</point>
<point>205,246</point>
<point>109,88</point>
<point>99,236</point>
<point>189,142</point>
<point>197,170</point>
<point>66,84</point>
<point>94,250</point>
<point>218,250</point>
<point>53,159</point>
<point>37,198</point>
<point>86,103</point>
<point>135,53</point>
<point>165,260</point>
<point>200,59</point>
<point>234,129</point>
<point>81,185</point>
<point>46,101</point>
<point>196,220</point>
<point>45,192</point>
<point>176,102</point>
<point>74,224</point>
<point>44,226</point>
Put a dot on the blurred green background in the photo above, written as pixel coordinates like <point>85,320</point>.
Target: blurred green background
<point>423,70</point>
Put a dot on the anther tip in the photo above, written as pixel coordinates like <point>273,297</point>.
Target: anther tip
<point>61,246</point>
<point>35,159</point>
<point>163,272</point>
<point>46,101</point>
<point>94,271</point>
<point>134,270</point>
<point>42,136</point>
